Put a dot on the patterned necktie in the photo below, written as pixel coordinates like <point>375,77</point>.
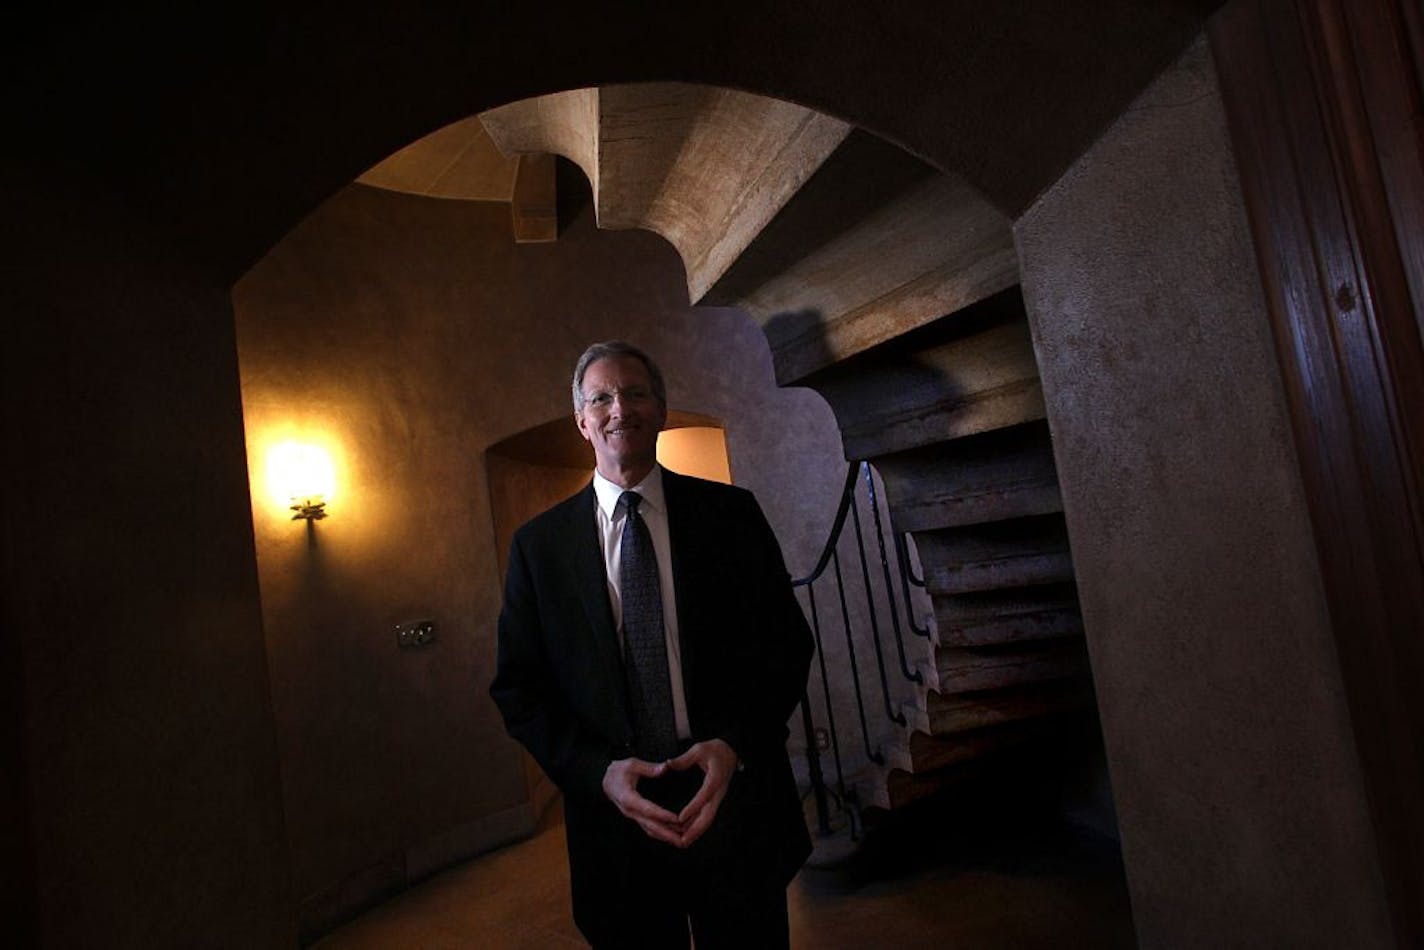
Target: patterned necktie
<point>645,662</point>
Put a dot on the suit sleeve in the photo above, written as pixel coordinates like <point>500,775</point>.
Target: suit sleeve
<point>524,690</point>
<point>777,645</point>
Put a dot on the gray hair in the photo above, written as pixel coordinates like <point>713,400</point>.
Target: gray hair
<point>616,348</point>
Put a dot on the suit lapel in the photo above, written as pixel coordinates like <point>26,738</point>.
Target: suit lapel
<point>591,580</point>
<point>683,535</point>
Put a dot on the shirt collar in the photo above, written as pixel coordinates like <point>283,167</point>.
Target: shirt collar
<point>651,488</point>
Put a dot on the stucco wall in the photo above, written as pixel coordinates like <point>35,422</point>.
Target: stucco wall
<point>413,333</point>
<point>1232,765</point>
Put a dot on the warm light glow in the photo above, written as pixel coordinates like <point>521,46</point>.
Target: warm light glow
<point>696,450</point>
<point>298,472</point>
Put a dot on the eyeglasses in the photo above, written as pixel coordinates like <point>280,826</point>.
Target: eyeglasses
<point>603,398</point>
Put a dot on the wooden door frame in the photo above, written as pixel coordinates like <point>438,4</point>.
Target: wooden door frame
<point>1323,98</point>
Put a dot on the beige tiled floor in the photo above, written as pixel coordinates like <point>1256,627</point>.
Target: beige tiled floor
<point>1044,889</point>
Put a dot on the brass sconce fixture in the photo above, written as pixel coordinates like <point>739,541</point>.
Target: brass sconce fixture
<point>309,509</point>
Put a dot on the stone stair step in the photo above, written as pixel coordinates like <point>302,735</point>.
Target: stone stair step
<point>1016,570</point>
<point>966,373</point>
<point>855,182</point>
<point>1008,616</point>
<point>935,252</point>
<point>992,476</point>
<point>874,244</point>
<point>966,712</point>
<point>905,788</point>
<point>1016,753</point>
<point>929,752</point>
<point>972,669</point>
<point>1018,553</point>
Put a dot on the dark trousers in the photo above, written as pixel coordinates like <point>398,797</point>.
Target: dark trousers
<point>708,890</point>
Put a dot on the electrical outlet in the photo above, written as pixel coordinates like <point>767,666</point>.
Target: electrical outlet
<point>415,633</point>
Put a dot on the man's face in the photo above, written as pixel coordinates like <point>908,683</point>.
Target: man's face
<point>621,418</point>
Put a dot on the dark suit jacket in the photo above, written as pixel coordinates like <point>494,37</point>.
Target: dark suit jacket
<point>746,650</point>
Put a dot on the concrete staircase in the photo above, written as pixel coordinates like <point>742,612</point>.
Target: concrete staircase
<point>891,289</point>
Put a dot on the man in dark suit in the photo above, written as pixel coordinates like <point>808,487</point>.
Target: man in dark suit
<point>650,654</point>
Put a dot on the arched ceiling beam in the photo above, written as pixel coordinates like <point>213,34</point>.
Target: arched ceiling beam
<point>705,168</point>
<point>459,161</point>
<point>848,240</point>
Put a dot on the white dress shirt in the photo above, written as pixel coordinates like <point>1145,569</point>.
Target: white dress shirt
<point>653,508</point>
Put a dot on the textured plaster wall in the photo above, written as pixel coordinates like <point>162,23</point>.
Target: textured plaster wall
<point>412,333</point>
<point>1238,794</point>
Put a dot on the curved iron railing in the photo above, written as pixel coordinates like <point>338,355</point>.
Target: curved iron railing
<point>908,578</point>
<point>848,508</point>
<point>913,676</point>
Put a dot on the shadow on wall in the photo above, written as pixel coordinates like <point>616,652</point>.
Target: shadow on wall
<point>805,332</point>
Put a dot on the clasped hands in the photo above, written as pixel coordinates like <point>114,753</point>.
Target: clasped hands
<point>718,762</point>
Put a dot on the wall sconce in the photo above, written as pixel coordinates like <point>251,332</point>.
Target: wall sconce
<point>303,477</point>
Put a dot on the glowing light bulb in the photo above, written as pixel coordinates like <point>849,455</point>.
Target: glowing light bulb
<point>301,477</point>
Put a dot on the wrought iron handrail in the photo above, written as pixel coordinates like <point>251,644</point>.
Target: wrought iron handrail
<point>847,491</point>
<point>913,676</point>
<point>907,578</point>
<point>830,558</point>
